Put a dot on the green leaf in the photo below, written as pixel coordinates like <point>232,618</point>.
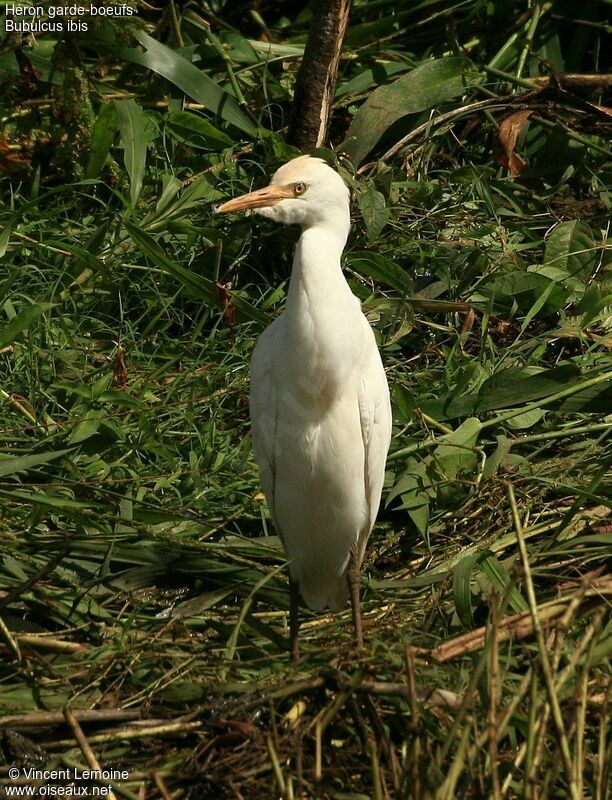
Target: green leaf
<point>197,285</point>
<point>133,132</point>
<point>426,86</point>
<point>374,211</point>
<point>189,79</point>
<point>571,246</point>
<point>42,499</point>
<point>526,420</point>
<point>369,77</point>
<point>592,400</point>
<point>172,207</point>
<point>381,269</point>
<point>456,454</point>
<point>462,589</point>
<point>498,458</point>
<point>499,577</point>
<point>524,290</point>
<point>5,237</point>
<point>508,388</point>
<point>102,137</point>
<point>453,465</point>
<point>415,488</point>
<point>239,49</point>
<point>195,131</point>
<point>194,283</point>
<point>86,427</point>
<point>11,465</point>
<point>22,322</point>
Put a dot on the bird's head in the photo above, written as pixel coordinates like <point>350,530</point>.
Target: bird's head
<point>305,191</point>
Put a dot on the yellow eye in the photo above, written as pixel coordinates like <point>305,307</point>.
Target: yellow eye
<point>299,188</point>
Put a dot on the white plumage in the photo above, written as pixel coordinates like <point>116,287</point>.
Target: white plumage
<point>320,406</point>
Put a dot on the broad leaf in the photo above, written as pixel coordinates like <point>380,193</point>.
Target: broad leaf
<point>570,246</point>
<point>462,589</point>
<point>134,138</point>
<point>508,388</point>
<point>381,269</point>
<point>189,79</point>
<point>22,322</point>
<point>87,426</point>
<point>102,137</point>
<point>195,131</point>
<point>374,211</point>
<point>426,86</point>
<point>11,465</point>
<point>523,290</point>
<point>197,285</point>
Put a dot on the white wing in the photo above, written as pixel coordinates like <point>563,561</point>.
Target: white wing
<point>264,409</point>
<point>375,413</point>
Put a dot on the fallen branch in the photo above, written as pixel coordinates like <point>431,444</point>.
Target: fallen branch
<point>52,645</point>
<point>136,732</point>
<point>47,719</point>
<point>88,754</point>
<point>519,626</point>
<point>569,80</point>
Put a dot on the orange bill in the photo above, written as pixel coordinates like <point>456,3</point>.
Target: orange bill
<point>268,196</point>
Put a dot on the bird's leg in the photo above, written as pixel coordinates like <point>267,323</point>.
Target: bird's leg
<point>352,576</point>
<point>294,621</point>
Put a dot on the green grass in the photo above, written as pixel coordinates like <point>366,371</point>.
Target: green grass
<point>140,575</point>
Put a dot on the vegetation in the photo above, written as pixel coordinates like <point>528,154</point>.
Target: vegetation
<point>142,587</point>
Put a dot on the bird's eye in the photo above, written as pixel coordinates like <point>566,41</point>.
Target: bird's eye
<point>299,188</point>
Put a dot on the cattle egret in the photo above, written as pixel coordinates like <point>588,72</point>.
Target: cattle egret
<point>320,409</point>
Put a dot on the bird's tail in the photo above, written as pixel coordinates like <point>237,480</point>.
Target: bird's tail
<point>318,597</point>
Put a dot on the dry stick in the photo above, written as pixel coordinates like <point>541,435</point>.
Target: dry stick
<point>49,643</point>
<point>569,80</point>
<point>579,764</point>
<point>415,725</point>
<point>544,662</point>
<point>116,787</point>
<point>528,748</point>
<point>8,638</point>
<point>518,626</point>
<point>44,719</point>
<point>492,710</point>
<point>386,746</point>
<point>459,717</point>
<point>527,751</point>
<point>603,762</point>
<point>169,729</point>
<point>318,772</point>
<point>447,790</point>
<point>161,785</point>
<point>430,698</point>
<point>278,773</point>
<point>88,753</point>
<point>440,120</point>
<point>502,726</point>
<point>539,749</point>
<point>21,408</point>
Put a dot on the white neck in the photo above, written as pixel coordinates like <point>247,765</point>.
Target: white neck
<point>322,316</point>
<point>316,262</point>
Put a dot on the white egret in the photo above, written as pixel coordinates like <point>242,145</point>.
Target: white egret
<point>320,409</point>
